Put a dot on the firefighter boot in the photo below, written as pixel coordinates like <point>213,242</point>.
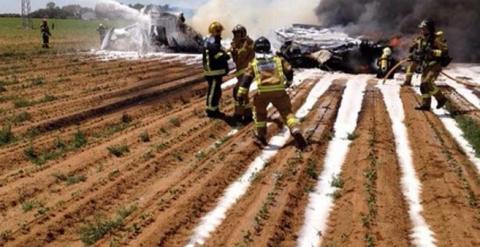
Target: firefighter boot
<point>425,106</point>
<point>426,98</point>
<point>260,137</point>
<point>442,100</point>
<point>214,114</point>
<point>260,141</point>
<point>300,141</point>
<point>247,116</point>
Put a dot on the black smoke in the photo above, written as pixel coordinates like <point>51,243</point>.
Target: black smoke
<point>459,19</point>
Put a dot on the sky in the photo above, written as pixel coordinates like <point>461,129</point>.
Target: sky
<point>14,6</point>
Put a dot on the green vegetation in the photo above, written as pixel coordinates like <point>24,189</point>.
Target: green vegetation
<point>311,169</point>
<point>58,150</point>
<point>70,179</point>
<point>337,182</point>
<point>5,235</point>
<point>352,136</point>
<point>112,128</point>
<point>6,135</point>
<point>91,232</point>
<point>118,150</point>
<point>175,122</point>
<point>20,102</point>
<point>144,136</point>
<point>471,131</point>
<point>37,81</point>
<point>69,35</point>
<point>22,117</point>
<point>79,139</point>
<point>30,205</point>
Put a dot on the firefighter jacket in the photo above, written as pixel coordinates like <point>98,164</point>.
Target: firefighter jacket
<point>271,73</point>
<point>242,54</point>
<point>215,58</point>
<point>433,50</point>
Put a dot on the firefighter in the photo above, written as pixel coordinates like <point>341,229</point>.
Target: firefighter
<point>430,51</point>
<point>45,30</point>
<point>272,75</point>
<point>385,63</point>
<point>102,30</point>
<point>215,66</point>
<point>242,53</point>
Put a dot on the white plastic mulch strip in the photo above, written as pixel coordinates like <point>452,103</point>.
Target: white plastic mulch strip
<point>452,127</point>
<point>467,93</point>
<point>321,201</point>
<point>469,71</point>
<point>235,191</point>
<point>411,186</point>
<point>299,79</point>
<point>132,55</point>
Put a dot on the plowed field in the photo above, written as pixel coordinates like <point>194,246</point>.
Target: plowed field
<point>107,151</point>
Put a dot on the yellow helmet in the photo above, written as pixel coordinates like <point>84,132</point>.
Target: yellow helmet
<point>215,28</point>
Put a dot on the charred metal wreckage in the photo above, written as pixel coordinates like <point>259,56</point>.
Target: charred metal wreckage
<point>307,46</point>
<point>155,30</point>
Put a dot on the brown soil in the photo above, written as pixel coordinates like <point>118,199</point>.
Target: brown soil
<point>371,209</point>
<point>176,162</point>
<point>450,185</point>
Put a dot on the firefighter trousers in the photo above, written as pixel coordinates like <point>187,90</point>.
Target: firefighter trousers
<point>411,68</point>
<point>242,109</point>
<point>214,93</point>
<point>428,87</point>
<point>279,100</point>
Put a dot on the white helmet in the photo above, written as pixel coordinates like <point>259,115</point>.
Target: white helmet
<point>387,51</point>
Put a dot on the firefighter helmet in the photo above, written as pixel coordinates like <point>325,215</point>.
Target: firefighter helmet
<point>387,51</point>
<point>428,24</point>
<point>262,45</point>
<point>239,30</point>
<point>215,28</point>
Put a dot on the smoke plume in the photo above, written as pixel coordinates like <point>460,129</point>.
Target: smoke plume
<point>115,10</point>
<point>260,17</point>
<point>459,19</point>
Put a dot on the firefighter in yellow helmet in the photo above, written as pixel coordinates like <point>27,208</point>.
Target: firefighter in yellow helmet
<point>215,66</point>
<point>242,53</point>
<point>272,75</point>
<point>430,51</point>
<point>385,63</point>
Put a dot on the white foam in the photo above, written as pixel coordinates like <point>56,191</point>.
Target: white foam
<point>320,201</point>
<point>235,191</point>
<point>411,186</point>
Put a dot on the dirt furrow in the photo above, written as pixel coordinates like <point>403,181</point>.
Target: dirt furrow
<point>176,109</point>
<point>55,82</point>
<point>255,218</point>
<point>450,185</point>
<point>370,209</point>
<point>175,76</point>
<point>177,213</point>
<point>459,105</point>
<point>126,183</point>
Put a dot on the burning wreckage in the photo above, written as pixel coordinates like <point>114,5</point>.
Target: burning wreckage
<point>154,30</point>
<point>308,46</point>
<point>304,46</point>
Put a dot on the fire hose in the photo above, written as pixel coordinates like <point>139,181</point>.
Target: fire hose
<point>395,68</point>
<point>466,83</point>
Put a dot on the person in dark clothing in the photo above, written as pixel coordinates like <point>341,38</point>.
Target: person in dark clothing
<point>45,31</point>
<point>102,31</point>
<point>215,66</point>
